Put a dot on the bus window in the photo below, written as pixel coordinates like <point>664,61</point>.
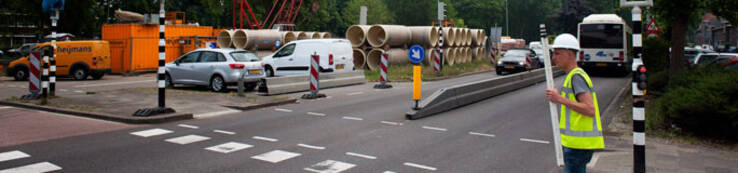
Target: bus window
<point>601,36</point>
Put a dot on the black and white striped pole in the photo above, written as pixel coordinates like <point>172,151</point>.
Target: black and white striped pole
<point>383,72</point>
<point>638,87</point>
<point>161,79</point>
<point>438,58</point>
<point>52,61</point>
<point>552,107</point>
<point>314,78</point>
<point>45,77</point>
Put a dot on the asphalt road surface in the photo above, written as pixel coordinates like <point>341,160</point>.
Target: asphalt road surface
<point>355,129</point>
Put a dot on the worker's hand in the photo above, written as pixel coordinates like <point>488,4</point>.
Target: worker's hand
<point>554,96</point>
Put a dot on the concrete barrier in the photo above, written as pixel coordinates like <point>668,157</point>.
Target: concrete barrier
<point>290,84</point>
<point>460,95</point>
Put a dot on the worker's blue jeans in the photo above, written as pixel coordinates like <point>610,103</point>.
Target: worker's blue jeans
<point>575,160</point>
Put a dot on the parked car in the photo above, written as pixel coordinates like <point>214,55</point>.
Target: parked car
<point>78,59</point>
<point>537,47</point>
<point>294,58</point>
<point>711,58</point>
<point>215,68</point>
<point>732,63</point>
<point>22,51</point>
<point>691,53</point>
<point>516,60</point>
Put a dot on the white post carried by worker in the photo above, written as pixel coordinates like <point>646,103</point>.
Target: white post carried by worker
<point>551,105</point>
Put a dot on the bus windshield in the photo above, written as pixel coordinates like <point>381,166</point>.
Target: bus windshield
<point>601,36</point>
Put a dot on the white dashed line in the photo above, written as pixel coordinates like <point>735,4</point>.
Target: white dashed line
<point>482,134</point>
<point>5,107</point>
<point>434,128</point>
<point>37,167</point>
<point>63,90</point>
<point>229,147</point>
<point>389,172</point>
<point>392,123</point>
<point>276,156</point>
<point>188,126</point>
<point>316,114</point>
<point>352,118</point>
<point>212,114</point>
<point>265,139</point>
<point>361,155</point>
<point>113,83</point>
<point>419,166</point>
<point>224,132</point>
<point>183,140</point>
<point>355,93</point>
<point>282,110</point>
<point>330,166</point>
<point>151,132</point>
<point>12,155</point>
<point>79,91</point>
<point>311,146</point>
<point>534,141</point>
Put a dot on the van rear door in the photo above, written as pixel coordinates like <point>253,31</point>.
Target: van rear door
<point>343,59</point>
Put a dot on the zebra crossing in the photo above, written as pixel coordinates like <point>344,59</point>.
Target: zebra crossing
<point>31,168</point>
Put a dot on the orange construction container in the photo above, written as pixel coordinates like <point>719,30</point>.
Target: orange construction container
<point>135,47</point>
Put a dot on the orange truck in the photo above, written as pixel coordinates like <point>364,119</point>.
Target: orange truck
<point>77,59</point>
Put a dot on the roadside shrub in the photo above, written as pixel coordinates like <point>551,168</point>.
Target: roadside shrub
<point>701,101</point>
<point>655,55</point>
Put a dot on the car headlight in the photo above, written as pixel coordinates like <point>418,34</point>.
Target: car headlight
<point>499,62</point>
<point>521,63</point>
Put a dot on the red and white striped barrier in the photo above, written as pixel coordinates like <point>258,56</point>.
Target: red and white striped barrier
<point>314,76</point>
<point>34,79</point>
<point>437,60</point>
<point>383,72</point>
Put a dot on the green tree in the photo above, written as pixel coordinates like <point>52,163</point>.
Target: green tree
<point>569,15</point>
<point>377,13</point>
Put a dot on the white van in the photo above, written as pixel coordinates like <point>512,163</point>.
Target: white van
<point>294,58</point>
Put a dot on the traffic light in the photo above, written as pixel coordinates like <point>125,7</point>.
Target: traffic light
<point>640,77</point>
<point>441,10</point>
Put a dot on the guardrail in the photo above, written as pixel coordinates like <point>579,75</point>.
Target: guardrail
<point>460,95</point>
<point>291,84</point>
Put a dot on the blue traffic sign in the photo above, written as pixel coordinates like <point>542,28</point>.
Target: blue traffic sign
<point>416,54</point>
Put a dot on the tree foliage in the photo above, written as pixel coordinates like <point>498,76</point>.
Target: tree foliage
<point>569,15</point>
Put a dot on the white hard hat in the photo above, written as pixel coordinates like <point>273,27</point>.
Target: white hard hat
<point>566,41</point>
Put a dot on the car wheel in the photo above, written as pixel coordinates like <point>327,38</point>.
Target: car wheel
<point>499,72</point>
<point>168,81</point>
<point>79,74</point>
<point>217,84</point>
<point>20,74</point>
<point>269,72</point>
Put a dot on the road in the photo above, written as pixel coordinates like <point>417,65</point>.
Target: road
<point>355,129</point>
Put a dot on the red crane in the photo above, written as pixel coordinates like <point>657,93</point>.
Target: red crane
<point>285,16</point>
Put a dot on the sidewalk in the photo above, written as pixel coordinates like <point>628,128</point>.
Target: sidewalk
<point>662,155</point>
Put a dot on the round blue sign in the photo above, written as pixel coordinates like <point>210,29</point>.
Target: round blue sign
<point>416,54</point>
<point>277,43</point>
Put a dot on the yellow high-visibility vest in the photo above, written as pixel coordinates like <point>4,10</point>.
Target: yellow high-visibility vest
<point>579,131</point>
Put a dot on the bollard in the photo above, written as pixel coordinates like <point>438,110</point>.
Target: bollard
<point>33,77</point>
<point>383,73</point>
<point>52,78</point>
<point>314,78</point>
<point>437,65</point>
<point>45,77</point>
<point>161,83</point>
<point>639,117</point>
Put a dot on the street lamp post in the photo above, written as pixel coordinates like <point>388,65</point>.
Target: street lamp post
<point>507,19</point>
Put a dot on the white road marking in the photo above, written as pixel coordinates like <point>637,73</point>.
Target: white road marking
<point>434,128</point>
<point>113,83</point>
<point>330,166</point>
<point>151,132</point>
<point>593,162</point>
<point>5,107</point>
<point>63,90</point>
<point>534,141</point>
<point>265,139</point>
<point>183,140</point>
<point>328,97</point>
<point>352,118</point>
<point>224,132</point>
<point>36,167</point>
<point>361,155</point>
<point>276,156</point>
<point>419,166</point>
<point>311,146</point>
<point>79,91</point>
<point>212,114</point>
<point>188,126</point>
<point>229,147</point>
<point>12,155</point>
<point>392,123</point>
<point>482,134</point>
<point>316,114</point>
<point>355,93</point>
<point>389,172</point>
<point>282,110</point>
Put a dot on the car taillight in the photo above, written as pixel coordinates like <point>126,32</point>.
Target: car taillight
<point>236,66</point>
<point>94,61</point>
<point>621,56</point>
<point>262,64</point>
<point>330,59</point>
<point>581,56</point>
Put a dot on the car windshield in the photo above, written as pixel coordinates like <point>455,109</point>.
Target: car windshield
<point>244,56</point>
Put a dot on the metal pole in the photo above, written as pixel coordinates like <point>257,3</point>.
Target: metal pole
<point>162,57</point>
<point>639,117</point>
<point>52,78</point>
<point>551,105</point>
<point>507,23</point>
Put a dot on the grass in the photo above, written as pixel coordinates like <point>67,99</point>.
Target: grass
<point>405,72</point>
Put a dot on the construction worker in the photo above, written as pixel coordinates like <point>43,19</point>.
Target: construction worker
<point>579,120</point>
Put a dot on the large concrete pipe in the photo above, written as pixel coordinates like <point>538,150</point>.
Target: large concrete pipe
<point>372,58</point>
<point>451,59</point>
<point>265,39</point>
<point>263,53</point>
<point>449,36</point>
<point>448,54</point>
<point>224,38</point>
<point>429,55</point>
<point>475,53</point>
<point>392,35</point>
<point>475,37</point>
<point>426,36</point>
<point>468,37</point>
<point>241,40</point>
<point>468,54</point>
<point>315,35</point>
<point>288,36</point>
<point>326,35</point>
<point>462,57</point>
<point>304,35</point>
<point>359,58</point>
<point>357,34</point>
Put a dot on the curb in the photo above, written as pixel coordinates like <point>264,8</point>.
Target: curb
<point>103,116</point>
<point>612,107</point>
<point>246,108</point>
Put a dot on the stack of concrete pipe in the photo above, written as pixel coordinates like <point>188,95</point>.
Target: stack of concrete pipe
<point>262,42</point>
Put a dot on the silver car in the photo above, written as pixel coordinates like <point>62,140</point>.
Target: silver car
<point>215,68</point>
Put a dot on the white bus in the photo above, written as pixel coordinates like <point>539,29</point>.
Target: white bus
<point>605,41</point>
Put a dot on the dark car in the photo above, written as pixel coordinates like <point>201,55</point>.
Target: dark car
<point>730,63</point>
<point>517,60</point>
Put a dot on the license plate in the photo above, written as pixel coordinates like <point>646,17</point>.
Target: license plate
<point>509,67</point>
<point>601,65</point>
<point>254,71</point>
<point>339,66</point>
